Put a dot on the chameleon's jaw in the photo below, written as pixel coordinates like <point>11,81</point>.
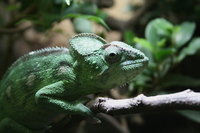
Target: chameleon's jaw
<point>134,64</point>
<point>127,70</point>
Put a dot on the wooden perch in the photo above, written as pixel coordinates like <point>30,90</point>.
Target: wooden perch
<point>185,100</point>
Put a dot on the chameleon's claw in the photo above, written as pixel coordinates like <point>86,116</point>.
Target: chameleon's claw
<point>97,120</point>
<point>93,120</point>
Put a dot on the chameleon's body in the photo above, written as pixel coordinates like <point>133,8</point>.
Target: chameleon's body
<point>51,81</point>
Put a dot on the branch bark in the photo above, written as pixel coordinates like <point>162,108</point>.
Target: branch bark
<point>185,100</point>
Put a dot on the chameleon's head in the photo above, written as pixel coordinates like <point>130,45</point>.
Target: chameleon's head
<point>105,65</point>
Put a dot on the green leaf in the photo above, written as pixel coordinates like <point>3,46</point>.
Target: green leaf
<point>163,27</point>
<point>12,7</point>
<point>180,80</point>
<point>128,37</point>
<point>184,34</point>
<point>190,114</point>
<point>163,53</point>
<point>146,51</point>
<point>141,80</point>
<point>90,17</point>
<point>79,28</point>
<point>144,43</point>
<point>191,49</point>
<point>164,67</point>
<point>162,42</point>
<point>157,29</point>
<point>100,13</point>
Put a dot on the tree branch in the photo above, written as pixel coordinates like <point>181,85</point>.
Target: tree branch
<point>185,100</point>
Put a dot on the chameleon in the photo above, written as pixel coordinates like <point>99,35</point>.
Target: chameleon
<point>44,83</point>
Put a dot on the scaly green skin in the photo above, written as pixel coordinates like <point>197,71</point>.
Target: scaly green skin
<point>45,83</point>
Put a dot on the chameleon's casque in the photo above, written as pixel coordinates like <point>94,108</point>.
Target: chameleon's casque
<point>48,82</point>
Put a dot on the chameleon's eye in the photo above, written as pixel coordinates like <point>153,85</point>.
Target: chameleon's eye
<point>112,54</point>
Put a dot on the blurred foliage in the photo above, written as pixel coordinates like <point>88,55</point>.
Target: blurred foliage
<point>45,12</point>
<point>166,45</point>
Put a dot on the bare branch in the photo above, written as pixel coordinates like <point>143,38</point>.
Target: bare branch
<point>185,100</point>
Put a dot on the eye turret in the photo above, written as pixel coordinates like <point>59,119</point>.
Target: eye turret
<point>112,54</point>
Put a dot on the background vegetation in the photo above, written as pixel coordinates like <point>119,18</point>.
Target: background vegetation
<point>166,30</point>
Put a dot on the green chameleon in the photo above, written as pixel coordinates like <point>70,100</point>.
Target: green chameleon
<point>45,83</point>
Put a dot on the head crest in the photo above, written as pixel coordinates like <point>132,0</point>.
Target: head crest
<point>86,43</point>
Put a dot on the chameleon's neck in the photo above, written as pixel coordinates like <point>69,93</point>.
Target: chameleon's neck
<point>88,78</point>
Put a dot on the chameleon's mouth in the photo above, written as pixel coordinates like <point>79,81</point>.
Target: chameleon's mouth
<point>135,63</point>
